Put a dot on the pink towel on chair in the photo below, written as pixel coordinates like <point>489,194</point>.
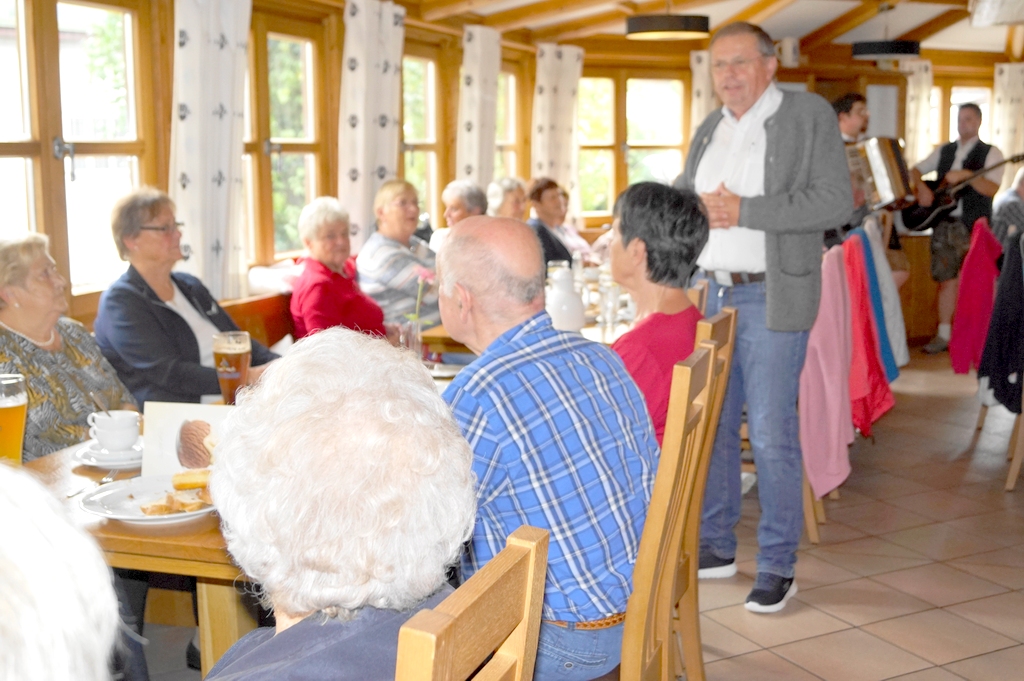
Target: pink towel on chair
<point>826,421</point>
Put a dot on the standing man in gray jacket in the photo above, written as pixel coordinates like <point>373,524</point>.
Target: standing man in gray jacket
<point>771,170</point>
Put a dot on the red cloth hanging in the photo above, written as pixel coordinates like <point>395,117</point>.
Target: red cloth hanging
<point>975,299</point>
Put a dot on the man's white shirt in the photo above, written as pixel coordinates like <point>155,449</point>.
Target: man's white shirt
<point>735,157</point>
<point>963,150</point>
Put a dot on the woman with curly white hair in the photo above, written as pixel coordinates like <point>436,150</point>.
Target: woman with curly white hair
<point>345,490</point>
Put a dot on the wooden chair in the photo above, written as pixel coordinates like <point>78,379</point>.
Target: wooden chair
<point>1015,453</point>
<point>267,318</point>
<point>494,618</point>
<point>698,295</point>
<point>648,650</point>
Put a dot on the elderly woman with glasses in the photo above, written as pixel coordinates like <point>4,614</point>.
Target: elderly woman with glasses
<point>395,267</point>
<point>326,294</point>
<point>156,326</point>
<point>348,536</point>
<point>57,356</point>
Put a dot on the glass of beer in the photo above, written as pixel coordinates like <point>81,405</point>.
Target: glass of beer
<point>232,352</point>
<point>13,405</point>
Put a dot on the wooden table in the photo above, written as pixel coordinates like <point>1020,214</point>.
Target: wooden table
<point>194,549</point>
<point>436,339</point>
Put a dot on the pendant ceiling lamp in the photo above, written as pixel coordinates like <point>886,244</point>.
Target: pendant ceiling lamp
<point>667,26</point>
<point>886,50</point>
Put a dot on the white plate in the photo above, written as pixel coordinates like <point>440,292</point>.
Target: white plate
<point>87,457</point>
<point>120,500</point>
<point>445,370</point>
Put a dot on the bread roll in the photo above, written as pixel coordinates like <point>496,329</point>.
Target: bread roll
<point>191,479</point>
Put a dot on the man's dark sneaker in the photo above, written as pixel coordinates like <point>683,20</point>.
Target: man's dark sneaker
<point>713,567</point>
<point>770,593</point>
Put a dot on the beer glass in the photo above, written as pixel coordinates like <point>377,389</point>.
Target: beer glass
<point>13,406</point>
<point>232,352</point>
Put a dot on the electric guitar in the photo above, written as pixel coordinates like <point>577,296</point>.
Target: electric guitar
<point>918,218</point>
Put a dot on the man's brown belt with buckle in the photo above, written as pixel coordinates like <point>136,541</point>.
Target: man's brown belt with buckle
<point>605,623</point>
<point>737,278</point>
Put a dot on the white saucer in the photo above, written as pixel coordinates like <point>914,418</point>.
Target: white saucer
<point>91,454</point>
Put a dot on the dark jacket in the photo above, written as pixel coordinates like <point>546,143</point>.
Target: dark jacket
<point>1003,358</point>
<point>554,249</point>
<point>975,204</point>
<point>152,348</point>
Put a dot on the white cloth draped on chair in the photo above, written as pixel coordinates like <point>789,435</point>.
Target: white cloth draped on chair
<point>702,90</point>
<point>478,105</point>
<point>371,95</point>
<point>919,96</point>
<point>555,150</point>
<point>1008,102</point>
<point>207,131</point>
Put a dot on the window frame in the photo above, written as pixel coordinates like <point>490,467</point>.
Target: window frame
<point>430,204</point>
<point>620,146</point>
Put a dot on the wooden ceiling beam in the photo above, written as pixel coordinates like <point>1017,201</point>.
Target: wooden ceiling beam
<point>759,11</point>
<point>939,23</point>
<point>612,20</point>
<point>535,13</point>
<point>1015,42</point>
<point>442,9</point>
<point>842,24</point>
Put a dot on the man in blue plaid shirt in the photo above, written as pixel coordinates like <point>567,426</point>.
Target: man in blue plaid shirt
<point>561,437</point>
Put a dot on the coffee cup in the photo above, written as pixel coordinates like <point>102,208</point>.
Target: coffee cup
<point>115,431</point>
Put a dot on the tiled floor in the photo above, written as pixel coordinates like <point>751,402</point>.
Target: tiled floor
<point>918,575</point>
<point>920,569</point>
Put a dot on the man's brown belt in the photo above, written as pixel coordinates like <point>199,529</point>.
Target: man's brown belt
<point>736,277</point>
<point>605,623</point>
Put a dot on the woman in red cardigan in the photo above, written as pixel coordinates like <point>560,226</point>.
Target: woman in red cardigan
<point>327,294</point>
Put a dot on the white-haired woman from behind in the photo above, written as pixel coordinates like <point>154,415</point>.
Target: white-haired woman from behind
<point>346,491</point>
<point>59,613</point>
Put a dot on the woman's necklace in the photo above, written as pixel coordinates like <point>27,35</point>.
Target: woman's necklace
<point>49,341</point>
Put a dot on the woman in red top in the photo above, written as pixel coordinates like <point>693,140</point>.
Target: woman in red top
<point>326,293</point>
<point>657,235</point>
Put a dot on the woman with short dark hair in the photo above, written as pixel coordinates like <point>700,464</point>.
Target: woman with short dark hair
<point>657,235</point>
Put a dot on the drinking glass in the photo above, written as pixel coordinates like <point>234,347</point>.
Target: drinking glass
<point>409,336</point>
<point>232,354</point>
<point>13,407</point>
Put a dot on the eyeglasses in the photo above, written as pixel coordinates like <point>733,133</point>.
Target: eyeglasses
<point>738,64</point>
<point>164,229</point>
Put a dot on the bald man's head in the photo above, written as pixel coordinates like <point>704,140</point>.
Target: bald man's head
<point>499,260</point>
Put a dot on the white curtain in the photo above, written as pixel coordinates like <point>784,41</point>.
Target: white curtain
<point>917,135</point>
<point>371,95</point>
<point>1007,129</point>
<point>555,151</point>
<point>207,132</point>
<point>478,105</point>
<point>702,89</point>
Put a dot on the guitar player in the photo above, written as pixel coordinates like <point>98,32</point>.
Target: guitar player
<point>953,163</point>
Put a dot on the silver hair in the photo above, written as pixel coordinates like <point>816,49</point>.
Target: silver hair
<point>471,195</point>
<point>464,258</point>
<point>499,189</point>
<point>764,41</point>
<point>16,258</point>
<point>317,213</point>
<point>59,610</point>
<point>344,483</point>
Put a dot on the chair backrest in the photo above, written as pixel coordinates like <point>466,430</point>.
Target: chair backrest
<point>647,645</point>
<point>495,614</point>
<point>267,318</point>
<point>698,295</point>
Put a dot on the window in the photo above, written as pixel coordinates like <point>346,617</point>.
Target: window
<point>285,160</point>
<point>419,130</point>
<point>982,96</point>
<point>935,117</point>
<point>596,133</point>
<point>16,191</point>
<point>629,130</point>
<point>505,134</point>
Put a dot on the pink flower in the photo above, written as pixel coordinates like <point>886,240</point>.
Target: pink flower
<point>425,274</point>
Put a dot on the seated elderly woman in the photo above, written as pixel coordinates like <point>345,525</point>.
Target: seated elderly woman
<point>57,356</point>
<point>156,326</point>
<point>462,199</point>
<point>326,293</point>
<point>396,268</point>
<point>59,611</point>
<point>506,198</point>
<point>551,204</point>
<point>657,235</point>
<point>349,535</point>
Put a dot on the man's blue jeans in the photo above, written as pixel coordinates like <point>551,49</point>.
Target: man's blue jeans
<point>577,654</point>
<point>766,377</point>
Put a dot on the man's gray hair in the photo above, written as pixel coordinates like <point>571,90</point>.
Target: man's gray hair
<point>342,480</point>
<point>471,195</point>
<point>764,41</point>
<point>317,213</point>
<point>499,189</point>
<point>59,609</point>
<point>466,261</point>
